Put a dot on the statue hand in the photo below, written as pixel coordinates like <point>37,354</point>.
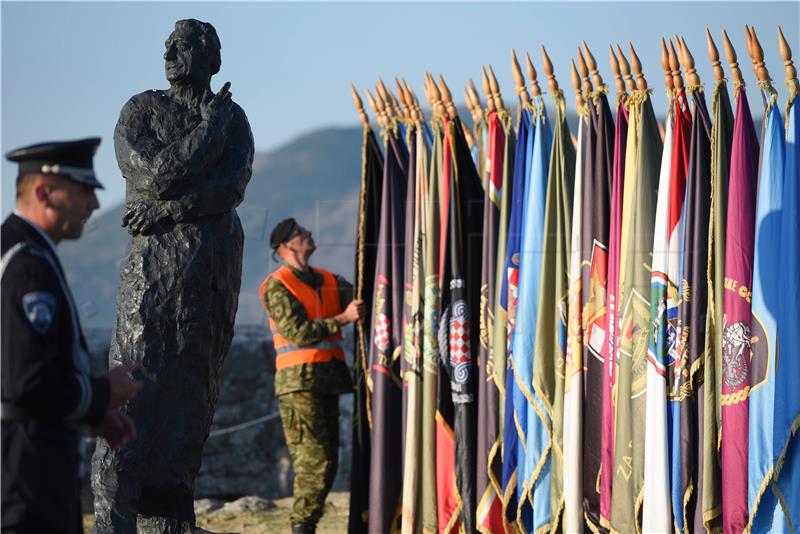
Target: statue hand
<point>218,106</point>
<point>140,216</point>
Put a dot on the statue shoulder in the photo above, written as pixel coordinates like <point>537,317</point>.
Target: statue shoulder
<point>144,100</point>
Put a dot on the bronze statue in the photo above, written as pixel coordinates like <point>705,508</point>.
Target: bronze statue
<point>186,155</point>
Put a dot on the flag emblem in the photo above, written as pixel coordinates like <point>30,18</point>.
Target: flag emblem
<point>459,342</point>
<point>735,339</point>
<point>383,329</point>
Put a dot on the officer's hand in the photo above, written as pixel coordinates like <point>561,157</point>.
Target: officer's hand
<point>354,311</point>
<point>117,429</point>
<point>123,386</point>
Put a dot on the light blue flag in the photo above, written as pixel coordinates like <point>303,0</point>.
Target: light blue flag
<point>765,510</point>
<point>786,431</point>
<point>525,332</point>
<point>513,427</point>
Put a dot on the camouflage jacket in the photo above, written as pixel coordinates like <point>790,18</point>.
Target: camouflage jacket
<point>292,323</point>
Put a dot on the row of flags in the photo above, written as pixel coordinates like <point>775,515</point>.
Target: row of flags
<point>591,331</point>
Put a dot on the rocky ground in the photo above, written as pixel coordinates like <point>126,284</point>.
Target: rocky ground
<point>254,515</point>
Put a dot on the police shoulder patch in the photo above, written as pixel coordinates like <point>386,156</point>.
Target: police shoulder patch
<point>39,308</point>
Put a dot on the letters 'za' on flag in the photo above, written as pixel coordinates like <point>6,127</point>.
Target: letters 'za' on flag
<point>736,321</point>
<point>786,428</point>
<point>430,333</point>
<point>551,328</point>
<point>721,136</point>
<point>385,463</point>
<point>638,220</point>
<point>677,188</point>
<point>366,258</point>
<point>533,485</point>
<point>491,367</point>
<point>514,427</point>
<point>656,512</point>
<point>598,162</point>
<point>692,313</point>
<point>412,342</point>
<point>573,388</point>
<point>766,511</point>
<point>612,318</point>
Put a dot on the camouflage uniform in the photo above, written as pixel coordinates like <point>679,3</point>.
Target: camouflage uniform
<point>308,396</point>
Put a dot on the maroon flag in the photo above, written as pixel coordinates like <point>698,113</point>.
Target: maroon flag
<point>598,164</point>
<point>366,259</point>
<point>736,319</point>
<point>387,452</point>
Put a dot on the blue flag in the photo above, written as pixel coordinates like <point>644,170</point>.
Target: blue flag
<point>787,401</point>
<point>525,332</point>
<point>765,510</point>
<point>508,296</point>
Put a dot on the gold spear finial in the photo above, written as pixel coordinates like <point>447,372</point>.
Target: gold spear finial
<point>447,98</point>
<point>495,87</point>
<point>376,110</point>
<point>584,70</point>
<point>687,61</point>
<point>426,89</point>
<point>786,55</point>
<point>592,64</point>
<point>487,90</point>
<point>404,105</point>
<point>713,55</point>
<point>730,55</point>
<point>618,81</point>
<point>362,115</point>
<point>665,66</point>
<point>580,102</point>
<point>641,82</point>
<point>675,68</point>
<point>522,90</point>
<point>535,89</point>
<point>408,98</point>
<point>748,39</point>
<point>625,67</point>
<point>548,70</point>
<point>436,94</point>
<point>476,99</point>
<point>757,55</point>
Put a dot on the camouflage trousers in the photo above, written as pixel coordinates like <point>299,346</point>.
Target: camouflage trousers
<point>311,426</point>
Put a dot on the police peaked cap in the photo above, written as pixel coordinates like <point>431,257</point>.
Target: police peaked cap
<point>71,159</point>
<point>283,231</point>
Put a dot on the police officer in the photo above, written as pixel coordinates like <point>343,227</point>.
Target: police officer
<point>48,392</point>
<point>308,307</point>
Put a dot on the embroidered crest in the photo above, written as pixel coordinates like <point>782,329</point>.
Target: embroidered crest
<point>39,307</point>
<point>735,353</point>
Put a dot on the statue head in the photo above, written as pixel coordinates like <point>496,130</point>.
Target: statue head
<point>193,53</point>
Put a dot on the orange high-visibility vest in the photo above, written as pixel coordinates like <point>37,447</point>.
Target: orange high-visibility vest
<point>332,347</point>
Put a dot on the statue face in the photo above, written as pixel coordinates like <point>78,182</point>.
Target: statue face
<point>186,59</point>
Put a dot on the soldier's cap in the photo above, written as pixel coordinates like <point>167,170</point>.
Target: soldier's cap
<point>71,159</point>
<point>283,232</point>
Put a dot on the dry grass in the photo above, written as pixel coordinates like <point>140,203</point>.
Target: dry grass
<point>273,521</point>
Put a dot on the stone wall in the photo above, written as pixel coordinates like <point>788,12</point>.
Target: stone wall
<point>245,453</point>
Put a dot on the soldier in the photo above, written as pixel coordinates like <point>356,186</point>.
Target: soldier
<point>47,388</point>
<point>308,307</point>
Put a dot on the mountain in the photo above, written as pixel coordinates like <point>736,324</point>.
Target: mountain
<point>314,178</point>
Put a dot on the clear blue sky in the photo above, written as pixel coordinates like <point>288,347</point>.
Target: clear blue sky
<point>68,68</point>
